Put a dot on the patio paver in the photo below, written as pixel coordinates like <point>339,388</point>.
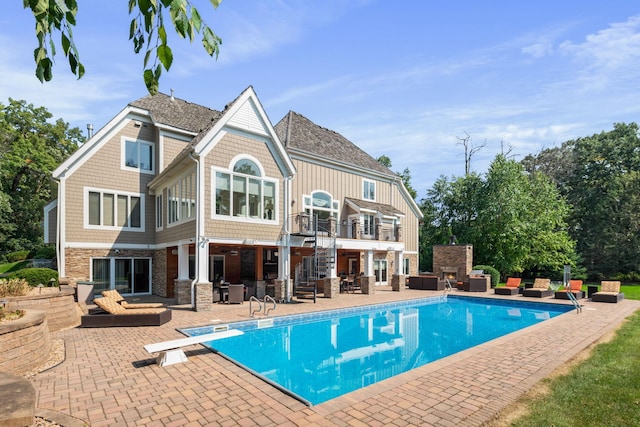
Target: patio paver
<point>109,379</point>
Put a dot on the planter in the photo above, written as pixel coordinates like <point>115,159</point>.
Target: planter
<point>25,342</point>
<point>58,304</point>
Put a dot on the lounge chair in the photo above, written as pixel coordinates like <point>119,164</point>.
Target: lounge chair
<point>575,287</point>
<point>540,289</point>
<point>114,314</point>
<point>115,295</point>
<point>609,292</point>
<point>512,287</point>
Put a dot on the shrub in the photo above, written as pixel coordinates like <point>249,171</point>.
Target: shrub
<point>14,287</point>
<point>17,256</point>
<point>37,276</point>
<point>495,274</point>
<point>46,252</point>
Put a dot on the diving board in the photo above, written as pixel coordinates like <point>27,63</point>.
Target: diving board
<point>171,351</point>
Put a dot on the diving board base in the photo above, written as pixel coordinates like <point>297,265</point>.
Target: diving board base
<point>171,357</point>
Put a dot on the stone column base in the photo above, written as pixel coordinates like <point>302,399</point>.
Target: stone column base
<point>279,291</point>
<point>182,290</point>
<point>397,283</point>
<point>367,284</point>
<point>204,296</point>
<point>331,287</point>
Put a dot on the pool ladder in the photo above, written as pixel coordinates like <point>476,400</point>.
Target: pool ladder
<point>267,298</point>
<point>447,289</point>
<point>573,299</point>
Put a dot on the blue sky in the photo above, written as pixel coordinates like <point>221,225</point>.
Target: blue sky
<point>405,79</point>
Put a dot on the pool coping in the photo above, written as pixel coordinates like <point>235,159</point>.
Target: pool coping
<point>107,378</point>
<point>253,324</point>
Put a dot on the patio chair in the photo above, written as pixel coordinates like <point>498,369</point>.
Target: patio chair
<point>609,292</point>
<point>575,287</point>
<point>236,294</point>
<point>540,289</point>
<point>512,287</point>
<point>115,295</point>
<point>113,314</point>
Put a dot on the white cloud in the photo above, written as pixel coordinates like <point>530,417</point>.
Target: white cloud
<point>614,47</point>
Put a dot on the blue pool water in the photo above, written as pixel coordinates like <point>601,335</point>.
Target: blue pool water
<point>319,356</point>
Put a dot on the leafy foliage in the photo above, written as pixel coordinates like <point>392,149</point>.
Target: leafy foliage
<point>16,287</point>
<point>600,178</point>
<point>147,31</point>
<point>515,221</point>
<point>17,256</point>
<point>37,276</point>
<point>31,147</point>
<point>495,274</point>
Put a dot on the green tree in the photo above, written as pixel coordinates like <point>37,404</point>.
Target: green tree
<point>405,175</point>
<point>603,190</point>
<point>515,221</point>
<point>147,32</point>
<point>31,148</point>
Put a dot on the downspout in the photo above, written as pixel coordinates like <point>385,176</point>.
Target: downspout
<point>197,238</point>
<point>287,240</point>
<point>59,253</point>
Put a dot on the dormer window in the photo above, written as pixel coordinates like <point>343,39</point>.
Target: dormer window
<point>137,154</point>
<point>369,190</point>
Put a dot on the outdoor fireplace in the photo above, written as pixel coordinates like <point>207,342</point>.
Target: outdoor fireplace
<point>452,262</point>
<point>449,273</point>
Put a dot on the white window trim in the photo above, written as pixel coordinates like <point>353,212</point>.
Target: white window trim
<point>116,193</point>
<point>263,178</point>
<point>159,211</point>
<point>123,155</point>
<point>370,182</point>
<point>168,200</point>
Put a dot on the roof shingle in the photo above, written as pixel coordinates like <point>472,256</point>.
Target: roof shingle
<point>297,132</point>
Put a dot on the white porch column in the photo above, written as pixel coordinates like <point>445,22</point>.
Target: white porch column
<point>398,262</point>
<point>202,252</point>
<point>368,263</point>
<point>183,262</point>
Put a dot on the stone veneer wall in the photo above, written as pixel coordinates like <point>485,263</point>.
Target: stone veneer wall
<point>78,261</point>
<point>158,273</point>
<point>25,342</point>
<point>458,256</point>
<point>58,304</point>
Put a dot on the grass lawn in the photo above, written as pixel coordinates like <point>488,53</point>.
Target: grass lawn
<point>603,390</point>
<point>12,266</point>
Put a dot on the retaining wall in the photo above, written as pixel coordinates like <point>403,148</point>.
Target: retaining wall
<point>25,342</point>
<point>59,304</point>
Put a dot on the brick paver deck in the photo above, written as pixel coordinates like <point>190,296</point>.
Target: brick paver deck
<point>108,378</point>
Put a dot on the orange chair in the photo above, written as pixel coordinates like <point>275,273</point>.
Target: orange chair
<point>512,287</point>
<point>575,288</point>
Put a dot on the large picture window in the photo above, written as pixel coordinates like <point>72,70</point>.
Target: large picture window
<point>245,193</point>
<point>181,199</point>
<point>138,155</point>
<point>126,275</point>
<point>107,209</point>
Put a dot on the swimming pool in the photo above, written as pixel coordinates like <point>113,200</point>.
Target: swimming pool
<point>319,356</point>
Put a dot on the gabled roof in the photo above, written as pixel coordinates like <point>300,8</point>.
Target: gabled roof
<point>175,112</point>
<point>384,210</point>
<point>299,133</point>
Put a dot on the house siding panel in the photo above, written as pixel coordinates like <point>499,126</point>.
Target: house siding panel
<point>92,173</point>
<point>220,157</point>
